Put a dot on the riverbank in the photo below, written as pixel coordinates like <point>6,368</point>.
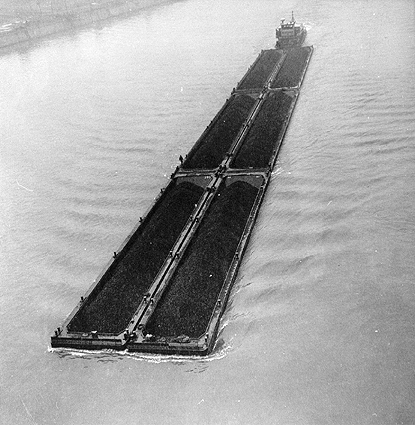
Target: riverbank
<point>34,26</point>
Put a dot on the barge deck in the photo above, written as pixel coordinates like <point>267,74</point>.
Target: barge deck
<point>166,288</point>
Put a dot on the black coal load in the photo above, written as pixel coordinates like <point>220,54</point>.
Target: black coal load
<point>188,302</point>
<point>211,151</point>
<point>111,308</point>
<point>257,76</point>
<point>292,68</point>
<point>257,148</point>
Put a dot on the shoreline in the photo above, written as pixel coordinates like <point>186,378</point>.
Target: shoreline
<point>20,32</point>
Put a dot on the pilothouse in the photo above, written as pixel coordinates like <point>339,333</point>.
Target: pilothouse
<point>290,34</point>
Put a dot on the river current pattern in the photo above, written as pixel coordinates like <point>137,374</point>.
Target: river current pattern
<point>320,325</point>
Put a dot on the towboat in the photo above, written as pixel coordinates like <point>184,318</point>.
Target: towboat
<point>290,34</point>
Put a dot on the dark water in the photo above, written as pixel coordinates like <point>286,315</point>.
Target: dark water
<point>320,328</point>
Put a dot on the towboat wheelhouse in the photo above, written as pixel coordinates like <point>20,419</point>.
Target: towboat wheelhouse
<point>289,34</point>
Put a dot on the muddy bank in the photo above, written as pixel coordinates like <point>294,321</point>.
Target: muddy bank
<point>257,148</point>
<point>188,302</point>
<point>110,309</point>
<point>31,29</point>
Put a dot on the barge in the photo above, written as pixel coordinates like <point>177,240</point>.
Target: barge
<point>165,289</point>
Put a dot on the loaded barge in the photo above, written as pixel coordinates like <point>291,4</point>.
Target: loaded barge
<point>166,287</point>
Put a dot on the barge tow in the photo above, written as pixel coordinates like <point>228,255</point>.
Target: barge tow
<point>165,289</point>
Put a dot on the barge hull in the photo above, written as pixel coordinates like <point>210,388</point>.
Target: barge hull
<point>177,311</point>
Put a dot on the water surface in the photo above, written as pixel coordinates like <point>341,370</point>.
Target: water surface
<point>320,326</point>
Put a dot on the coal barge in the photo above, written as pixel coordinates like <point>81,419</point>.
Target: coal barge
<point>166,287</point>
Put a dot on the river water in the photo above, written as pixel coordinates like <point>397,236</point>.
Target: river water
<point>320,327</point>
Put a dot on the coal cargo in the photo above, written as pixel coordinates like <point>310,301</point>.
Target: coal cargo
<point>292,68</point>
<point>258,146</point>
<point>187,304</point>
<point>211,149</point>
<point>110,309</point>
<point>166,289</point>
<point>258,75</point>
